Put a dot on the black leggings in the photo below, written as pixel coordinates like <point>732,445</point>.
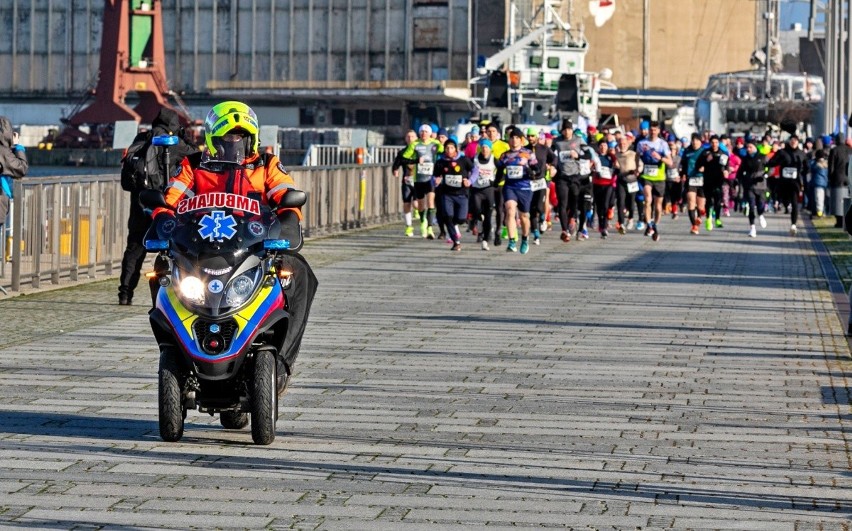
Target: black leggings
<point>714,199</point>
<point>603,195</point>
<point>537,208</point>
<point>788,192</point>
<point>573,196</point>
<point>499,211</point>
<point>482,205</point>
<point>756,199</point>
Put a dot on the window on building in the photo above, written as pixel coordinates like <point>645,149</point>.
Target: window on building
<point>306,116</point>
<point>362,117</point>
<point>338,117</point>
<point>553,62</point>
<point>535,61</point>
<point>377,117</point>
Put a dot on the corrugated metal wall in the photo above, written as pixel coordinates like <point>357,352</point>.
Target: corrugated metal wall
<point>51,46</point>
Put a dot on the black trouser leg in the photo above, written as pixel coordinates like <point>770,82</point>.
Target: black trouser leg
<point>563,194</point>
<point>537,209</point>
<point>499,211</point>
<point>134,252</point>
<point>603,194</point>
<point>620,200</point>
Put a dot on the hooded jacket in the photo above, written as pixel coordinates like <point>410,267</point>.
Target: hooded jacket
<point>13,158</point>
<point>838,163</point>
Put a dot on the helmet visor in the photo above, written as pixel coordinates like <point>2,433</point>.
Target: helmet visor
<point>231,147</point>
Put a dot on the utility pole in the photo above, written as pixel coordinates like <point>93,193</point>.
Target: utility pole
<point>830,39</point>
<point>769,15</point>
<point>847,68</point>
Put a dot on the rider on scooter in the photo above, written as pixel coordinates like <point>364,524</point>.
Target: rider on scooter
<point>232,164</point>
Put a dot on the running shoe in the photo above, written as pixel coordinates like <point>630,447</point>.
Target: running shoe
<point>762,222</point>
<point>498,241</point>
<point>443,236</point>
<point>415,214</point>
<point>423,227</point>
<point>649,230</point>
<point>536,237</point>
<point>709,224</point>
<point>620,228</point>
<point>485,245</point>
<point>752,232</point>
<point>409,231</point>
<point>584,235</point>
<point>604,234</point>
<point>719,224</point>
<point>793,230</point>
<point>610,213</point>
<point>640,225</point>
<point>630,224</point>
<point>565,237</point>
<point>512,247</point>
<point>456,247</point>
<point>505,232</point>
<point>525,246</point>
<point>694,229</point>
<point>430,234</point>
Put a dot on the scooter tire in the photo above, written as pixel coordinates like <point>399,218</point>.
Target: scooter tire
<point>233,420</point>
<point>172,410</point>
<point>264,402</point>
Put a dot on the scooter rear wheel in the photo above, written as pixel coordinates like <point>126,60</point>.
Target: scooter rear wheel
<point>172,411</point>
<point>264,400</point>
<point>233,420</point>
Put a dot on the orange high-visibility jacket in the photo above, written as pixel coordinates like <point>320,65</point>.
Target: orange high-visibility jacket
<point>264,175</point>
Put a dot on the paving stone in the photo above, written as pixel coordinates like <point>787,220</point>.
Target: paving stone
<point>699,382</point>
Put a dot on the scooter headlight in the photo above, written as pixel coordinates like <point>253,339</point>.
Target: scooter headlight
<point>241,288</point>
<point>192,289</point>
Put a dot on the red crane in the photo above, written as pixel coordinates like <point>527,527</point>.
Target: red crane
<point>132,60</point>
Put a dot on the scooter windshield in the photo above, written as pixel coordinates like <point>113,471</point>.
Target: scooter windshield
<point>224,226</point>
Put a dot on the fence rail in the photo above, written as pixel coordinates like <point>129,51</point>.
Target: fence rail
<point>65,228</point>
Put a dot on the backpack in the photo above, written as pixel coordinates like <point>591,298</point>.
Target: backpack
<point>141,167</point>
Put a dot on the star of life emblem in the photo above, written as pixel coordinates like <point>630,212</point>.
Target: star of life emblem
<point>216,226</point>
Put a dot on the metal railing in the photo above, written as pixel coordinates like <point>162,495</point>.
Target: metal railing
<point>333,155</point>
<point>75,227</point>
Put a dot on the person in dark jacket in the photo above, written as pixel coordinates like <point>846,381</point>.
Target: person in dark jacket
<point>167,122</point>
<point>13,165</point>
<point>838,178</point>
<point>752,179</point>
<point>794,165</point>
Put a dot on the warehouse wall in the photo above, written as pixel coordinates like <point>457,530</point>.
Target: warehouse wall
<point>689,40</point>
<point>53,45</point>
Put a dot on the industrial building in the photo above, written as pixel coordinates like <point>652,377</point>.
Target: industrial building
<point>357,63</point>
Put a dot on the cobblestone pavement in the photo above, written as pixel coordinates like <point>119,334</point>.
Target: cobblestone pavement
<point>699,382</point>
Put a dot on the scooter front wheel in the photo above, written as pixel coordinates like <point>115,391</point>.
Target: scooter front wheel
<point>264,400</point>
<point>172,410</point>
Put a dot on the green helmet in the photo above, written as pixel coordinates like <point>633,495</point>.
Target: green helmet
<point>231,132</point>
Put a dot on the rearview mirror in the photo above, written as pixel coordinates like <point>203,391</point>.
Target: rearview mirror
<point>294,199</point>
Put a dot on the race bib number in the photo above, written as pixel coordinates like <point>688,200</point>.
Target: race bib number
<point>538,184</point>
<point>483,182</point>
<point>453,180</point>
<point>408,180</point>
<point>673,174</point>
<point>696,181</point>
<point>651,171</point>
<point>514,172</point>
<point>632,188</point>
<point>425,168</point>
<point>585,167</point>
<point>723,160</point>
<point>605,173</point>
<point>789,173</point>
<point>564,156</point>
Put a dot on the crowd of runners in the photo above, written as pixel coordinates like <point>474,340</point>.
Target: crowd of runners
<point>515,184</point>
